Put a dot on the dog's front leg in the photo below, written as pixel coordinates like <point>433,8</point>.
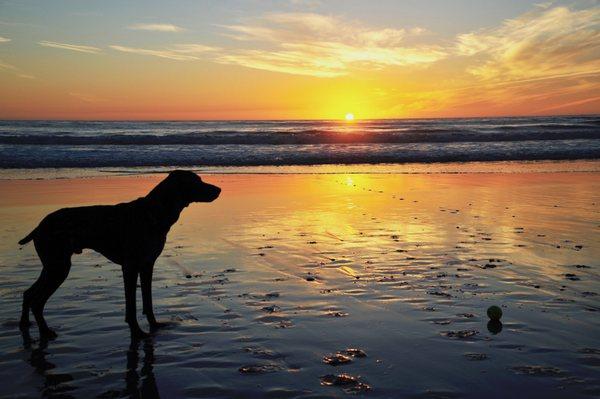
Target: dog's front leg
<point>148,310</point>
<point>146,282</point>
<point>130,276</point>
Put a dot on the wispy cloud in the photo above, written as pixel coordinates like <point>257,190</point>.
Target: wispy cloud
<point>544,43</point>
<point>15,70</point>
<point>4,39</point>
<point>541,62</point>
<point>156,27</point>
<point>178,52</point>
<point>571,104</point>
<point>548,41</point>
<point>4,65</point>
<point>71,47</point>
<point>191,48</point>
<point>156,53</point>
<point>321,45</point>
<point>14,23</point>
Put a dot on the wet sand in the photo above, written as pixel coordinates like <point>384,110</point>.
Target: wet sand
<point>270,287</point>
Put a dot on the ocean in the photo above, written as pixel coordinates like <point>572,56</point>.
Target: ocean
<point>96,144</point>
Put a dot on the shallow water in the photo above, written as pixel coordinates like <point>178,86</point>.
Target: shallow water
<point>285,270</point>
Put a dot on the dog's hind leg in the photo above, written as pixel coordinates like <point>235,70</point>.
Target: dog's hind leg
<point>28,295</point>
<point>57,265</point>
<point>146,283</point>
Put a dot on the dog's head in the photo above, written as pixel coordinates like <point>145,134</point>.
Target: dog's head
<point>190,187</point>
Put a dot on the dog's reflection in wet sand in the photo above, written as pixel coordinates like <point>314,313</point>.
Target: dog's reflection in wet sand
<point>138,383</point>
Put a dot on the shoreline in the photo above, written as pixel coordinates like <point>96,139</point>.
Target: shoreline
<point>543,166</point>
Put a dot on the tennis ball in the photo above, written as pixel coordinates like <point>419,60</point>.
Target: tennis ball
<point>494,313</point>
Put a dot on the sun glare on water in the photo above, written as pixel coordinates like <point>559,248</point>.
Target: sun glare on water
<point>349,117</point>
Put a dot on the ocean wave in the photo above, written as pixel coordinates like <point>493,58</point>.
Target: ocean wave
<point>313,136</point>
<point>49,144</point>
<point>55,156</point>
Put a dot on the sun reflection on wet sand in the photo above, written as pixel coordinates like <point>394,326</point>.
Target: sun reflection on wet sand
<point>285,269</point>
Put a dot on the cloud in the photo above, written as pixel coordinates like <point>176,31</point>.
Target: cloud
<point>72,47</point>
<point>571,104</point>
<point>321,45</point>
<point>13,23</point>
<point>542,43</point>
<point>292,62</point>
<point>301,27</point>
<point>4,65</point>
<point>156,27</point>
<point>178,52</point>
<point>15,70</point>
<point>156,53</point>
<point>4,39</point>
<point>192,48</point>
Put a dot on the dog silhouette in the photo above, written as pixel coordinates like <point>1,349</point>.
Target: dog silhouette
<point>131,234</point>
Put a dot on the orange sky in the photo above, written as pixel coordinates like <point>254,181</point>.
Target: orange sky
<point>303,61</point>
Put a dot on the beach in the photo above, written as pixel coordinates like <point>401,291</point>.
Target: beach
<point>393,199</point>
<point>324,285</point>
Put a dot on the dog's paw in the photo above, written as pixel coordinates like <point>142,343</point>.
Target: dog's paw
<point>158,325</point>
<point>139,334</point>
<point>48,334</point>
<point>24,325</point>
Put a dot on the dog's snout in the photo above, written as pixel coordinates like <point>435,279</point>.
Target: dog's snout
<point>213,192</point>
<point>205,192</point>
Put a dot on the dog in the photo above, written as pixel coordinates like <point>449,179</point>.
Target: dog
<point>131,234</point>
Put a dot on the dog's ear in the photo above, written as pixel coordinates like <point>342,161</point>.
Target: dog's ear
<point>184,175</point>
<point>170,188</point>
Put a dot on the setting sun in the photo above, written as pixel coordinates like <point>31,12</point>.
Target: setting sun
<point>349,117</point>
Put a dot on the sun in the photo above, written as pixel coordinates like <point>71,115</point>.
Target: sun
<point>349,117</point>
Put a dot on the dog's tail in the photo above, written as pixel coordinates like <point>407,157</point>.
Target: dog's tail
<point>28,237</point>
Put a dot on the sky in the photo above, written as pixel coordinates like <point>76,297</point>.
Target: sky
<point>297,59</point>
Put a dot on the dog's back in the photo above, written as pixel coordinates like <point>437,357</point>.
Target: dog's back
<point>109,229</point>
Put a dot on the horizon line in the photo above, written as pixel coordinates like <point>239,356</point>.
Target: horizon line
<point>301,120</point>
